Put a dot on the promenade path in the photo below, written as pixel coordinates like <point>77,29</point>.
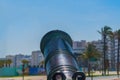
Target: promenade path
<point>104,78</point>
<point>44,78</point>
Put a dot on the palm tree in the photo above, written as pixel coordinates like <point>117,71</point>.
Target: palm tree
<point>5,62</point>
<point>8,62</point>
<point>105,31</point>
<point>42,63</point>
<point>91,54</point>
<point>1,63</point>
<point>25,62</point>
<point>118,63</point>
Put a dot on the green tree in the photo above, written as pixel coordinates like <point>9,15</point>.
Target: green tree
<point>1,63</point>
<point>105,31</point>
<point>25,62</point>
<point>5,62</point>
<point>91,54</point>
<point>9,61</point>
<point>42,63</point>
<point>118,53</point>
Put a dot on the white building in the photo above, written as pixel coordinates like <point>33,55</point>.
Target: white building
<point>78,49</point>
<point>12,58</point>
<point>111,53</point>
<point>37,57</point>
<point>18,59</point>
<point>79,46</point>
<point>98,44</point>
<point>116,52</point>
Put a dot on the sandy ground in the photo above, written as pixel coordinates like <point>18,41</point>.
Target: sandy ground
<point>37,78</point>
<point>26,78</point>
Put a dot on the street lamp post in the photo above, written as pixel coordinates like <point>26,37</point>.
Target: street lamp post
<point>91,70</point>
<point>23,71</point>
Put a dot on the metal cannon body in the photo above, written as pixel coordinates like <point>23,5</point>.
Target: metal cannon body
<point>60,62</point>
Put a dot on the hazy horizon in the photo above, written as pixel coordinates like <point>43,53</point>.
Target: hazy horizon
<point>23,23</point>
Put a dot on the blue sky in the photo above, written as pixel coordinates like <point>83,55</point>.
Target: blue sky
<point>24,22</point>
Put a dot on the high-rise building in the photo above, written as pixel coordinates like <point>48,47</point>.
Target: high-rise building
<point>79,46</point>
<point>18,59</point>
<point>78,49</point>
<point>111,51</point>
<point>116,51</point>
<point>37,57</point>
<point>98,45</point>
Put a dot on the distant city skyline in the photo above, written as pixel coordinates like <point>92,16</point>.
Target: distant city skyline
<point>34,58</point>
<point>23,23</point>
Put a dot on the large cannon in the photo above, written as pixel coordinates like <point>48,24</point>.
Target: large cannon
<point>60,62</point>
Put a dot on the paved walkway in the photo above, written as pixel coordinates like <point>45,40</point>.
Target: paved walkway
<point>44,78</point>
<point>26,78</point>
<point>103,78</point>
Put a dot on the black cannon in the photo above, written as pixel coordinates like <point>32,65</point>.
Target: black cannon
<point>60,62</point>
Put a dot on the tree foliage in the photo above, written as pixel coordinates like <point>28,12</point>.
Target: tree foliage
<point>105,31</point>
<point>25,62</point>
<point>91,52</point>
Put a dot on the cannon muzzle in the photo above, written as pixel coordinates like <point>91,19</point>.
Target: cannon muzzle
<point>60,62</point>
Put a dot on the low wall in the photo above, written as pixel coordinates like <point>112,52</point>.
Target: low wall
<point>8,71</point>
<point>36,71</point>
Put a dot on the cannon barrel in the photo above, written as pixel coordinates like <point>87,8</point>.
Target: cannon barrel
<point>60,62</point>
